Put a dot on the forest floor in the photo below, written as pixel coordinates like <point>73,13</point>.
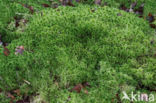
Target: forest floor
<point>77,52</point>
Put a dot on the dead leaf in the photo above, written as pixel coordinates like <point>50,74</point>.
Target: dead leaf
<point>63,2</point>
<point>78,1</point>
<point>80,86</point>
<point>55,5</point>
<point>140,16</point>
<point>123,7</point>
<point>150,18</point>
<point>86,84</point>
<point>133,5</point>
<point>6,51</point>
<point>17,91</point>
<point>31,9</point>
<point>0,37</point>
<point>70,4</point>
<point>5,44</point>
<point>77,88</point>
<point>0,90</point>
<point>27,6</point>
<point>153,26</point>
<point>17,20</point>
<point>152,41</point>
<point>19,50</point>
<point>11,96</point>
<point>20,101</point>
<point>140,10</point>
<point>118,97</point>
<point>25,99</point>
<point>98,2</point>
<point>45,5</point>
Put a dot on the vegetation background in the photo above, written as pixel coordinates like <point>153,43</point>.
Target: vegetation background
<point>82,51</point>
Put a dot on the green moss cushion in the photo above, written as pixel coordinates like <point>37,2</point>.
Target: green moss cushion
<point>82,44</point>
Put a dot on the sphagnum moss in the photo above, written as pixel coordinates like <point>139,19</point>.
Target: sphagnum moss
<point>72,45</point>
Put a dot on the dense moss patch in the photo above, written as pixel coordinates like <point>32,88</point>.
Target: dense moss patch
<point>70,45</point>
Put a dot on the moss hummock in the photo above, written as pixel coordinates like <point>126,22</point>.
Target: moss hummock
<point>67,46</point>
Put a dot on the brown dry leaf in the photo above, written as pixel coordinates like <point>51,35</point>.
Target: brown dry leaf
<point>0,90</point>
<point>150,18</point>
<point>153,26</point>
<point>86,84</point>
<point>45,5</point>
<point>6,51</point>
<point>17,20</point>
<point>25,99</point>
<point>133,5</point>
<point>0,37</point>
<point>27,6</point>
<point>31,9</point>
<point>55,5</point>
<point>70,4</point>
<point>11,96</point>
<point>98,2</point>
<point>123,7</point>
<point>81,86</point>
<point>78,1</point>
<point>17,91</point>
<point>67,3</point>
<point>19,50</point>
<point>140,10</point>
<point>77,88</point>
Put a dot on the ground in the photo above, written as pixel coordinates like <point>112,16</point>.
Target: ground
<point>81,54</point>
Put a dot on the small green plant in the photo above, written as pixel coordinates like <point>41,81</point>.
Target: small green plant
<point>67,46</point>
